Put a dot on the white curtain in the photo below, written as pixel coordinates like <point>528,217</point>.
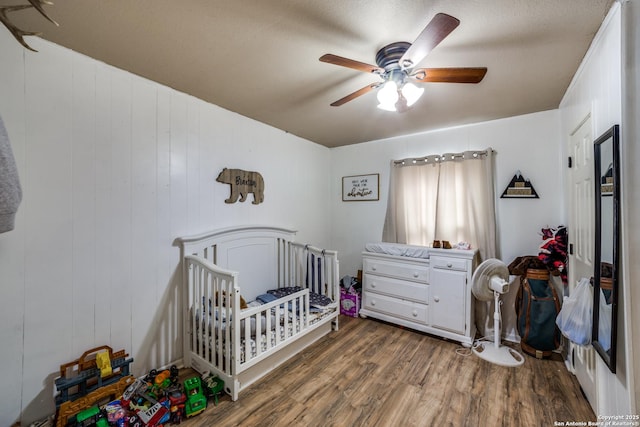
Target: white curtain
<point>411,208</point>
<point>443,197</point>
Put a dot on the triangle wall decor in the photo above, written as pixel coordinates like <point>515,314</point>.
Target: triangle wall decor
<point>519,188</point>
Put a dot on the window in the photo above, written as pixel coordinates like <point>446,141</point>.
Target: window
<point>443,197</point>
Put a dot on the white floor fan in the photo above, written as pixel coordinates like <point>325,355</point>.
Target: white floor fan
<point>489,281</point>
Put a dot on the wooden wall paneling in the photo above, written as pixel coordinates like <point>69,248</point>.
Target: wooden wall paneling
<point>121,226</point>
<point>12,244</point>
<point>179,165</point>
<point>144,244</point>
<point>615,393</point>
<point>313,171</point>
<point>612,70</point>
<point>83,140</point>
<point>194,162</point>
<point>281,173</point>
<point>630,192</point>
<point>245,155</point>
<point>89,188</point>
<point>179,195</point>
<point>216,128</point>
<point>597,85</point>
<point>47,197</point>
<point>103,207</point>
<point>165,291</point>
<point>208,128</point>
<point>299,172</point>
<point>226,146</point>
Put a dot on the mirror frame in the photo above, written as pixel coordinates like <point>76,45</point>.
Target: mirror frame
<point>612,135</point>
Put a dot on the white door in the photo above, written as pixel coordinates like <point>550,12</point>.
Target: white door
<point>581,237</point>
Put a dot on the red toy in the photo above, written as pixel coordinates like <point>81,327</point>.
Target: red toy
<point>553,251</point>
<point>177,400</point>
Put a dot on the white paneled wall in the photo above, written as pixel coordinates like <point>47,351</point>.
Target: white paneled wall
<point>114,168</point>
<point>631,192</point>
<point>596,89</point>
<point>529,143</point>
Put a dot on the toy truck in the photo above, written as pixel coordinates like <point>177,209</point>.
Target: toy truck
<point>196,400</point>
<point>157,414</point>
<point>91,417</point>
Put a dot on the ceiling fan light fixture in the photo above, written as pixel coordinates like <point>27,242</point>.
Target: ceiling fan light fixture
<point>411,93</point>
<point>395,65</point>
<point>387,107</point>
<point>388,96</point>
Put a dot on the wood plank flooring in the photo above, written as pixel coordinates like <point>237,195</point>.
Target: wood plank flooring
<point>370,373</point>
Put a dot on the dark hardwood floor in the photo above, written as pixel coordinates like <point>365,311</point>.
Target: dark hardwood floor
<point>370,373</point>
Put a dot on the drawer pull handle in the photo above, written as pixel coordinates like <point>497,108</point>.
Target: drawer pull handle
<point>415,313</point>
<point>374,268</point>
<point>373,284</point>
<point>373,302</point>
<point>449,265</point>
<point>436,299</point>
<point>416,274</point>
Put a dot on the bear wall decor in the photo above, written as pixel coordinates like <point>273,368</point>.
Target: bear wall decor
<point>242,183</point>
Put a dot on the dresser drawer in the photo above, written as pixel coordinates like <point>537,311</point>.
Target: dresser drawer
<point>396,287</point>
<point>408,271</point>
<point>395,307</point>
<point>448,263</point>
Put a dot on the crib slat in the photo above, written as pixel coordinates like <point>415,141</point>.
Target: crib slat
<point>232,354</point>
<point>204,316</point>
<point>206,346</point>
<point>195,314</point>
<point>217,358</point>
<point>280,323</point>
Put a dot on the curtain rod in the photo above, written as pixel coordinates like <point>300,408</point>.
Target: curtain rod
<point>439,158</point>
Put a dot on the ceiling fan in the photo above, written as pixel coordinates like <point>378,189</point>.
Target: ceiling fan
<point>396,63</point>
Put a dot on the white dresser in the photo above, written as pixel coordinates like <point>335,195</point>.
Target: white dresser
<point>431,294</point>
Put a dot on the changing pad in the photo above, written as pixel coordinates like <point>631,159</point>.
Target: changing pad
<point>398,249</point>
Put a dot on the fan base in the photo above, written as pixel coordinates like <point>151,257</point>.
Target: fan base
<point>389,55</point>
<point>500,355</point>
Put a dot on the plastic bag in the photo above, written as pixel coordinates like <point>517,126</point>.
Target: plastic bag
<point>604,322</point>
<point>576,315</point>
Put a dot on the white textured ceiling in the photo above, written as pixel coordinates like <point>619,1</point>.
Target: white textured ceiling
<point>260,58</point>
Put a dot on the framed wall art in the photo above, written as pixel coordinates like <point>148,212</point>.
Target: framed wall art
<point>358,188</point>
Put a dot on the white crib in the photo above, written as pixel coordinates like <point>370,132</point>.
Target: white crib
<point>222,268</point>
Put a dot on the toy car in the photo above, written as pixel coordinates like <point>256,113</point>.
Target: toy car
<point>91,417</point>
<point>213,386</point>
<point>196,400</point>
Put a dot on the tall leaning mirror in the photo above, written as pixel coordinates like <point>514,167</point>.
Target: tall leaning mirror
<point>606,263</point>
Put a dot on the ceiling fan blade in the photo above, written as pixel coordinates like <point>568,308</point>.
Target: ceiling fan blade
<point>350,63</point>
<point>449,75</point>
<point>440,27</point>
<point>356,94</point>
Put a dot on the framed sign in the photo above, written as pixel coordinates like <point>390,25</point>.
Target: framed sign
<point>358,188</point>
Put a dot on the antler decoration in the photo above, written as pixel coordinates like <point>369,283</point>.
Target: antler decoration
<point>17,32</point>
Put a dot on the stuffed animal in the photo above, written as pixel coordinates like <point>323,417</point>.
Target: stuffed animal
<point>243,302</point>
<point>553,251</point>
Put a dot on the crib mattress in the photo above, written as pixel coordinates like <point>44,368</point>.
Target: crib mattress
<point>398,249</point>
